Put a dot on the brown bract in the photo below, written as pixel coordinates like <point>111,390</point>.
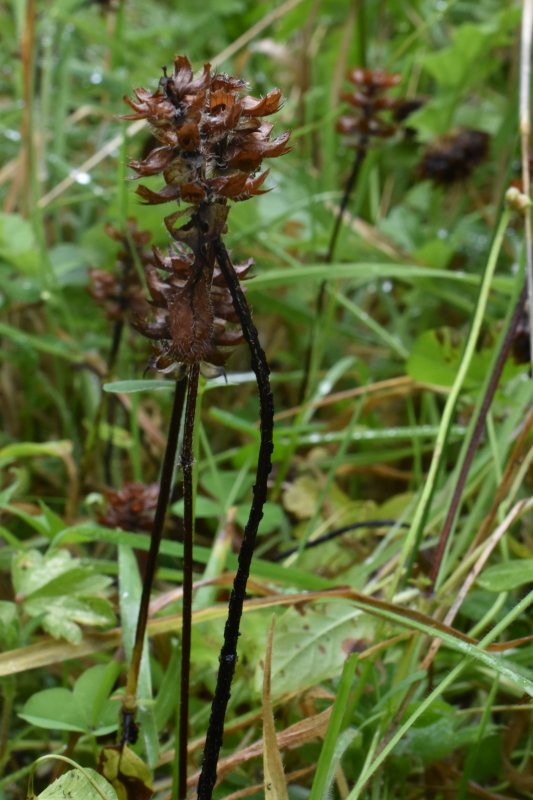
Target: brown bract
<point>213,139</point>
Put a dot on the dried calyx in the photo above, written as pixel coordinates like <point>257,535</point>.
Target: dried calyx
<point>213,140</point>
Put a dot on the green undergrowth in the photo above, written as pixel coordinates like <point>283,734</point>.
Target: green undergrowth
<point>418,298</point>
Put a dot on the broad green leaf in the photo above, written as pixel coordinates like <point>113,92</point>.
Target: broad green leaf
<point>467,59</point>
<point>32,570</point>
<point>91,691</point>
<point>62,616</point>
<point>55,709</point>
<point>507,576</point>
<point>436,734</point>
<point>55,587</point>
<point>453,66</point>
<point>87,708</point>
<point>434,118</point>
<point>75,784</point>
<point>77,581</point>
<point>205,508</point>
<point>309,645</point>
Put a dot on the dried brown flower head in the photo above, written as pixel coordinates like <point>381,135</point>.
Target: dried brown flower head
<point>131,508</point>
<point>453,157</point>
<point>121,293</point>
<point>369,102</point>
<point>192,321</point>
<point>213,140</point>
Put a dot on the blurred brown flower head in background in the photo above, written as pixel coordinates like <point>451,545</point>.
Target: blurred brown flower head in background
<point>131,508</point>
<point>454,156</point>
<point>121,293</point>
<point>369,102</point>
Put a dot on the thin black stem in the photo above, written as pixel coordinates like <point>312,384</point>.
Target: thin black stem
<point>327,537</point>
<point>228,654</point>
<point>476,434</point>
<point>187,461</point>
<point>165,486</point>
<point>360,155</point>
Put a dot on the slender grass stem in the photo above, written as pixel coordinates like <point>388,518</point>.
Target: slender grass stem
<point>187,461</point>
<point>414,536</point>
<point>228,654</point>
<point>525,132</point>
<point>165,486</point>
<point>477,433</point>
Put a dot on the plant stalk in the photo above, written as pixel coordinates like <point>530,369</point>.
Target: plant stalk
<point>320,300</point>
<point>228,654</point>
<point>525,132</point>
<point>476,433</point>
<point>187,462</point>
<point>165,485</point>
<point>414,537</point>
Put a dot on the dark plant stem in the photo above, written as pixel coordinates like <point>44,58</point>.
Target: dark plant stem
<point>476,434</point>
<point>165,485</point>
<point>187,461</point>
<point>327,537</point>
<point>228,654</point>
<point>360,156</point>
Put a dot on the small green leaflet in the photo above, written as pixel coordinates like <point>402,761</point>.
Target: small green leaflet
<point>63,592</point>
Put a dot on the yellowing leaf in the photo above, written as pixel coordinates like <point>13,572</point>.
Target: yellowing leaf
<point>128,773</point>
<point>301,497</point>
